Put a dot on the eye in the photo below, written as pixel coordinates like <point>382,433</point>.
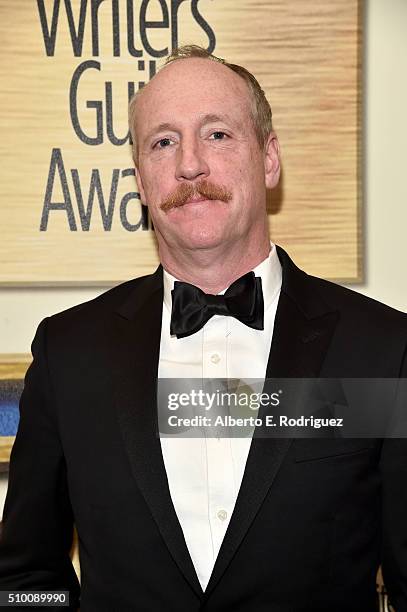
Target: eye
<point>218,135</point>
<point>162,143</point>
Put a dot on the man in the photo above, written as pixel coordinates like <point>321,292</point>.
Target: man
<point>205,524</point>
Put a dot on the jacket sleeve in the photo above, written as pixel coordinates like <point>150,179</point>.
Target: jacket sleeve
<point>37,527</point>
<point>394,504</point>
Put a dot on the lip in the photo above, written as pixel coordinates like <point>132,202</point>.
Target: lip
<point>197,200</point>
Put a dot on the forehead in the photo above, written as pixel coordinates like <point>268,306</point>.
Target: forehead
<point>192,87</point>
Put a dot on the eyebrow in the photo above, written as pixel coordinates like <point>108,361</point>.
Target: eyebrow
<point>213,118</point>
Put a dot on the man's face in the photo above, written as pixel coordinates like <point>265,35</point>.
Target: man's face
<point>201,170</point>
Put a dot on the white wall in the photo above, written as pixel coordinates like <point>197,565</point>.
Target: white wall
<point>385,188</point>
<point>386,153</point>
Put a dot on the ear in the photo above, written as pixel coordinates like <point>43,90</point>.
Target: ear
<point>139,182</point>
<point>272,161</point>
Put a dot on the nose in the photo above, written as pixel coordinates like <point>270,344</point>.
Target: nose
<point>191,162</point>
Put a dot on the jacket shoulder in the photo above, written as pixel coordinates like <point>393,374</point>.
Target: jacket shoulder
<point>350,302</point>
<point>92,316</point>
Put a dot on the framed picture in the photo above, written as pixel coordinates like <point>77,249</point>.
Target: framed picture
<point>12,371</point>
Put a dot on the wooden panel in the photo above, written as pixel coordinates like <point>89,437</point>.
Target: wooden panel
<point>14,365</point>
<point>6,444</point>
<point>305,54</point>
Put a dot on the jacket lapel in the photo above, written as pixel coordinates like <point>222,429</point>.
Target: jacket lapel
<point>135,343</point>
<point>303,329</point>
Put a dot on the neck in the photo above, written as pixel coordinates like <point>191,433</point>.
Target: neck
<point>212,270</point>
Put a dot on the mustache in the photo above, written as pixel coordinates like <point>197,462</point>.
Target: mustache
<point>186,191</point>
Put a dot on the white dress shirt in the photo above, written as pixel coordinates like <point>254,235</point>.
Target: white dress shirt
<point>204,474</point>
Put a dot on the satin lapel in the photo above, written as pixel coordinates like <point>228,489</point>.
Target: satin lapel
<point>135,350</point>
<point>303,329</point>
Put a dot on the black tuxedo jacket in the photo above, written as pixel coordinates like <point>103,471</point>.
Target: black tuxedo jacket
<point>313,520</point>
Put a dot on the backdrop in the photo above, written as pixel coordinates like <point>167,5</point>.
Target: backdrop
<point>70,211</point>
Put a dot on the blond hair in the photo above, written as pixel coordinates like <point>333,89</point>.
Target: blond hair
<point>261,110</point>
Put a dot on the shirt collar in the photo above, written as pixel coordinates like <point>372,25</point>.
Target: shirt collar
<point>269,270</point>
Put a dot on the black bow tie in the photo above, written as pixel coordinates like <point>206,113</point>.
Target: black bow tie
<point>192,308</point>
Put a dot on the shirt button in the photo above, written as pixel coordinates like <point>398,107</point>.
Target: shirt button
<point>222,515</point>
<point>215,358</point>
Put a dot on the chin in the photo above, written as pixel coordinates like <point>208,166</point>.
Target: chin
<point>201,239</point>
